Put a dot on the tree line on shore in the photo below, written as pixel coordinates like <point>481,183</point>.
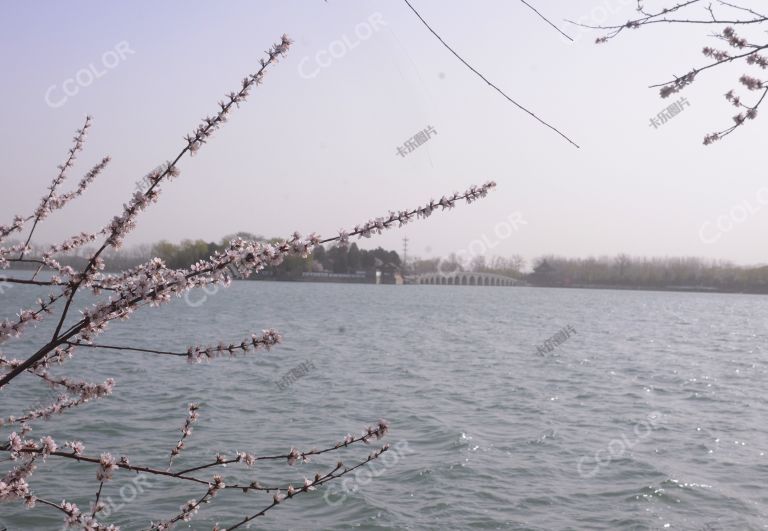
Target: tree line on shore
<point>549,270</point>
<point>333,259</point>
<point>649,273</point>
<point>621,271</point>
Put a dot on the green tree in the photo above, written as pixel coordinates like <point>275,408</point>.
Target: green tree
<point>354,259</point>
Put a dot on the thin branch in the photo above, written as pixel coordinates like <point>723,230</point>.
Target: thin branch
<point>186,430</point>
<point>59,178</point>
<point>11,280</point>
<point>96,503</point>
<point>193,144</point>
<point>481,76</point>
<point>128,349</point>
<point>117,308</point>
<point>545,19</point>
<point>295,455</point>
<point>310,485</point>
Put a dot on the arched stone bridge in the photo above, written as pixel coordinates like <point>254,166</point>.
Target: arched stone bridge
<point>463,278</point>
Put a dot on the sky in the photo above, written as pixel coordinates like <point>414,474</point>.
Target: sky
<point>314,148</point>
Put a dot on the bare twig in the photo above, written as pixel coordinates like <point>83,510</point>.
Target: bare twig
<point>545,19</point>
<point>481,76</point>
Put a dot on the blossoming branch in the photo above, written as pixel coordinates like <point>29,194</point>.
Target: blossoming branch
<point>118,296</point>
<point>750,51</point>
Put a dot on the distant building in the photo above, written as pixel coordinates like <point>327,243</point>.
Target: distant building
<point>388,273</point>
<point>544,275</point>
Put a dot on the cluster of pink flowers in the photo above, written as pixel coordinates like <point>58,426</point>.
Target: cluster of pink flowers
<point>87,522</point>
<point>758,60</point>
<point>28,448</point>
<point>719,55</point>
<point>378,225</point>
<point>77,447</point>
<point>50,202</point>
<point>266,340</point>
<point>729,34</point>
<point>15,226</point>
<point>379,431</point>
<point>191,507</point>
<point>188,510</point>
<point>57,202</point>
<point>125,223</point>
<point>294,456</point>
<point>210,124</point>
<point>85,392</point>
<point>47,446</point>
<point>744,49</point>
<point>14,484</point>
<point>70,244</point>
<point>752,83</point>
<point>679,84</point>
<point>186,431</point>
<point>26,317</point>
<point>107,465</point>
<point>9,251</point>
<point>246,458</point>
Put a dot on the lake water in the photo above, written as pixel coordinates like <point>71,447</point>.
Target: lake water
<point>651,416</point>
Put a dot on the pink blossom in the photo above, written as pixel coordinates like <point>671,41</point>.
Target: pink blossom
<point>77,447</point>
<point>107,465</point>
<point>293,456</point>
<point>48,446</point>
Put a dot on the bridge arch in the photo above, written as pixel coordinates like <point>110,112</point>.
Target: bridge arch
<point>464,279</point>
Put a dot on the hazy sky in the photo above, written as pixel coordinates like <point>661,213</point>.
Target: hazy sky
<point>314,148</point>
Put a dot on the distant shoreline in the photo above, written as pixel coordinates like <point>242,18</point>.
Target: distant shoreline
<point>679,289</point>
<point>524,281</point>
